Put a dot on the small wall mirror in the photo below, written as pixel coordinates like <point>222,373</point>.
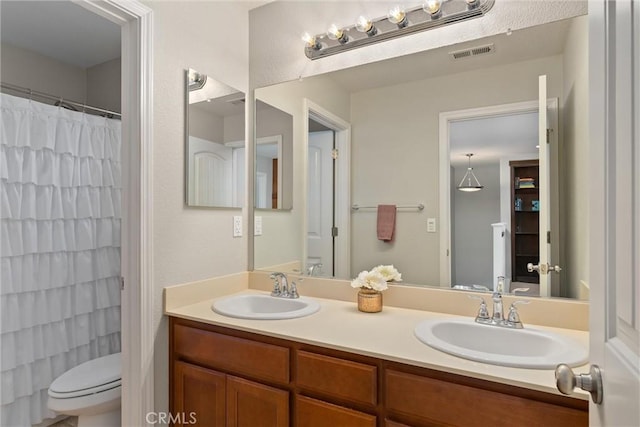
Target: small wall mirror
<point>214,143</point>
<point>274,158</point>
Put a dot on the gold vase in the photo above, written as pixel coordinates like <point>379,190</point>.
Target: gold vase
<point>369,301</point>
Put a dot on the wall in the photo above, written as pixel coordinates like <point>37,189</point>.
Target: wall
<point>206,125</point>
<point>188,243</point>
<point>395,142</point>
<point>472,218</point>
<point>103,85</point>
<point>575,114</point>
<point>97,86</point>
<point>282,23</point>
<point>281,241</point>
<point>272,121</point>
<point>31,70</point>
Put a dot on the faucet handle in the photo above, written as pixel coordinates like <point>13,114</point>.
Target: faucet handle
<point>293,290</point>
<point>276,284</point>
<point>513,319</point>
<point>483,311</point>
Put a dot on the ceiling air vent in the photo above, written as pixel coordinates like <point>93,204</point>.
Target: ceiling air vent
<point>473,51</point>
<point>236,100</point>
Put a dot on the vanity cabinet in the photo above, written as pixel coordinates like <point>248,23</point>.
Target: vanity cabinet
<point>228,377</point>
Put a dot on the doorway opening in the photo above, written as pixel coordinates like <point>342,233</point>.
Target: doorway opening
<point>499,175</point>
<point>327,218</point>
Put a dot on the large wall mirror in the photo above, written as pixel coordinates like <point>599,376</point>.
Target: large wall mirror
<point>214,143</point>
<point>381,124</point>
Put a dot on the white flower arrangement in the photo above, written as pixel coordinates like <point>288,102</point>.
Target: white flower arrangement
<point>377,278</point>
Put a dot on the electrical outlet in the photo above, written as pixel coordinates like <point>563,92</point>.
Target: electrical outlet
<point>257,226</point>
<point>237,226</point>
<point>431,225</point>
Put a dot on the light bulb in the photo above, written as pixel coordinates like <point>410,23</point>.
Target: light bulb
<point>335,33</point>
<point>397,16</point>
<point>432,7</point>
<point>364,25</point>
<point>310,41</point>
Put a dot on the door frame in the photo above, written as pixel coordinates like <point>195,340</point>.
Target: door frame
<point>137,302</point>
<point>444,175</point>
<point>342,208</point>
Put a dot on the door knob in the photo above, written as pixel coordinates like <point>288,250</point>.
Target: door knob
<point>566,381</point>
<point>543,268</point>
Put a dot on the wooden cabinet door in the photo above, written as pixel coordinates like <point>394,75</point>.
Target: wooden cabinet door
<point>251,404</point>
<point>198,396</point>
<point>316,413</point>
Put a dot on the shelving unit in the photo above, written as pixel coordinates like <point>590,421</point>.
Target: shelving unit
<point>525,220</point>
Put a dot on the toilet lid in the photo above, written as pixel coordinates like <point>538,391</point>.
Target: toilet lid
<point>96,375</point>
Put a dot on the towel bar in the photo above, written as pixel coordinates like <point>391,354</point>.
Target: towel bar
<point>419,207</point>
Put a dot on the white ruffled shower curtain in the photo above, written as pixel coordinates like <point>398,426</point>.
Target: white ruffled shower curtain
<point>60,254</point>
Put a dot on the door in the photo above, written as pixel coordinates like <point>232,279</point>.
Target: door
<point>251,404</point>
<point>543,185</point>
<point>614,211</point>
<point>320,201</point>
<point>198,396</point>
<point>210,173</point>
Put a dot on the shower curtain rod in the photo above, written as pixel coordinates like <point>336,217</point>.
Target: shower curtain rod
<point>60,99</point>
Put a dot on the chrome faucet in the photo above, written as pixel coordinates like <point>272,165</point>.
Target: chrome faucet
<point>281,287</point>
<point>497,318</point>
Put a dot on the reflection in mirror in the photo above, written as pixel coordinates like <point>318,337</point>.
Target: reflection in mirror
<point>394,108</point>
<point>480,220</point>
<point>214,143</point>
<point>274,158</point>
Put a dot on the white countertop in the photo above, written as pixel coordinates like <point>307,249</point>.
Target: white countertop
<point>386,335</point>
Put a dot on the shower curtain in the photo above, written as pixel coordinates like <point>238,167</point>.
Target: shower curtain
<point>60,254</point>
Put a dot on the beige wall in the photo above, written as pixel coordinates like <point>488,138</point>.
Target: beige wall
<point>206,125</point>
<point>31,70</point>
<point>189,243</point>
<point>575,115</point>
<point>103,85</point>
<point>395,153</point>
<point>97,86</point>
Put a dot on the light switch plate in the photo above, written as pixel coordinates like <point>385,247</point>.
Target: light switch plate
<point>431,225</point>
<point>257,226</point>
<point>237,226</point>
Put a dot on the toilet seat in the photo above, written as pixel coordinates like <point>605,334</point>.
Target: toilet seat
<point>95,376</point>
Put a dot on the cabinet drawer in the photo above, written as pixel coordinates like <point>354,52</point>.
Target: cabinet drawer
<point>340,378</point>
<point>232,354</point>
<point>316,413</point>
<point>433,401</point>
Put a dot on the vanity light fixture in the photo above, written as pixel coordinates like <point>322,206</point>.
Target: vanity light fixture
<point>364,25</point>
<point>398,16</point>
<point>398,22</point>
<point>311,42</point>
<point>469,182</point>
<point>335,33</point>
<point>432,7</point>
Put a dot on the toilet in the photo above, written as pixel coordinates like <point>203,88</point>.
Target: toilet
<point>91,391</point>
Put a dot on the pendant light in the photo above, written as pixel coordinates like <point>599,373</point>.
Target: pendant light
<point>469,182</point>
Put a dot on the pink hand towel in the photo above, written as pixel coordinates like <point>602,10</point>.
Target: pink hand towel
<point>386,223</point>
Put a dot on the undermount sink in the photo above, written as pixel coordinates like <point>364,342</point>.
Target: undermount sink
<point>265,307</point>
<point>520,348</point>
